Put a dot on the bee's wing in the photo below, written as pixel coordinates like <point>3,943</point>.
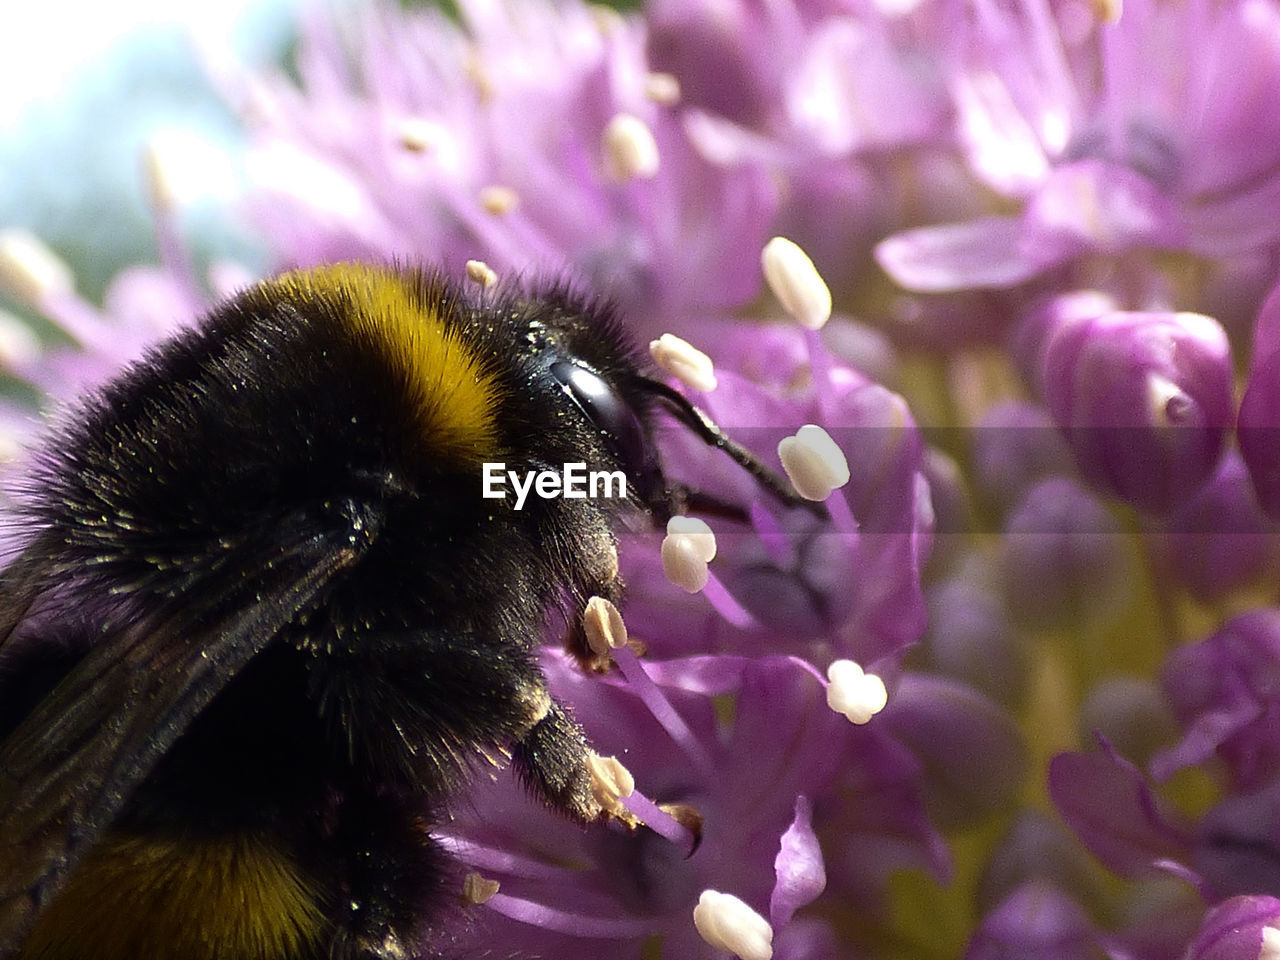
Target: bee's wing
<point>71,765</point>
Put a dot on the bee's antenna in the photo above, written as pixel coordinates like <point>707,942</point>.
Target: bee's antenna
<point>709,431</point>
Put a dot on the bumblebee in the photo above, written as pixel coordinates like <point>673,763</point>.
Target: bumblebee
<point>263,625</point>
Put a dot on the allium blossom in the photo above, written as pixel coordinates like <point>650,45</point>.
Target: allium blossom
<point>1077,115</point>
<point>1114,167</point>
<point>501,144</point>
<point>1033,637</point>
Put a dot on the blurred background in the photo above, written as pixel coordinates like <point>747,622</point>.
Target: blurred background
<point>88,85</point>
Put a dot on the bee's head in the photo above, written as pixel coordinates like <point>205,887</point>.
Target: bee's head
<point>622,415</point>
<point>622,426</point>
<point>585,353</point>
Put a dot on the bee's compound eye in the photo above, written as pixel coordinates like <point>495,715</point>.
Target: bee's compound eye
<point>608,411</point>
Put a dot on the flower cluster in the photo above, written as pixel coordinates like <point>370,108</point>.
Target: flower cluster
<point>1013,692</point>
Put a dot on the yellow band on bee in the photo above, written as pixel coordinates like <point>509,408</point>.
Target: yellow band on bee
<point>453,398</point>
<point>135,896</point>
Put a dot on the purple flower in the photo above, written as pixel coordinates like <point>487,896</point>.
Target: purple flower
<point>1219,541</point>
<point>1111,807</point>
<point>820,92</point>
<point>799,581</point>
<point>1258,425</point>
<point>971,639</point>
<point>1242,928</point>
<point>1237,843</point>
<point>141,305</point>
<point>757,839</point>
<point>1144,400</point>
<point>1014,445</point>
<point>1063,558</point>
<point>1225,692</point>
<point>655,155</point>
<point>1065,113</point>
<point>972,752</point>
<point>1035,921</point>
<point>498,141</point>
<point>1047,539</point>
<point>1037,848</point>
<point>1219,689</point>
<point>852,81</point>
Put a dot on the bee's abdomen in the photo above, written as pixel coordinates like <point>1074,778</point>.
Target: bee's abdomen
<point>185,898</point>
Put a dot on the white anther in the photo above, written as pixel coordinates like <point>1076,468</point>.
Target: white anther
<point>796,283</point>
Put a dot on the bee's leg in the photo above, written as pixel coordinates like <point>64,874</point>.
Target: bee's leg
<point>552,760</point>
<point>600,555</point>
<point>575,641</point>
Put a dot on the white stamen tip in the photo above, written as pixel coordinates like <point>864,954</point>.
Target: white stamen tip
<point>662,88</point>
<point>682,565</point>
<point>796,283</point>
<point>630,150</point>
<point>728,924</point>
<point>481,274</point>
<point>610,783</point>
<point>157,168</point>
<point>1270,944</point>
<point>181,165</point>
<point>686,550</point>
<point>477,889</point>
<point>700,534</point>
<point>1164,399</point>
<point>497,199</point>
<point>858,695</point>
<point>18,344</point>
<point>604,626</point>
<point>814,463</point>
<point>30,271</point>
<point>683,361</point>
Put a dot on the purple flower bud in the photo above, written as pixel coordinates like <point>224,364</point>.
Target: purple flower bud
<point>1258,431</point>
<point>1064,560</point>
<point>971,640</point>
<point>1144,400</point>
<point>1242,928</point>
<point>953,515</point>
<point>1037,847</point>
<point>1038,922</point>
<point>1014,446</point>
<point>1131,713</point>
<point>1035,328</point>
<point>973,755</point>
<point>1258,425</point>
<point>1220,539</point>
